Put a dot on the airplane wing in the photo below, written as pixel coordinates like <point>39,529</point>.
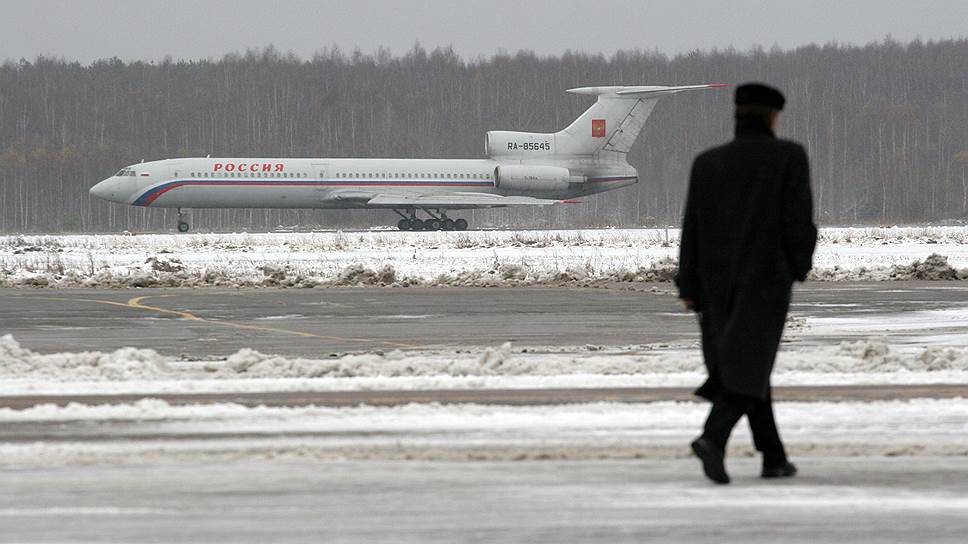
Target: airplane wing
<point>457,200</point>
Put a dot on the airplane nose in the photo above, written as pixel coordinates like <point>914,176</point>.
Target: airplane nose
<point>103,190</point>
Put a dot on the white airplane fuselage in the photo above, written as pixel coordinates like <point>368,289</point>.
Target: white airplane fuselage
<point>328,183</point>
<point>521,169</point>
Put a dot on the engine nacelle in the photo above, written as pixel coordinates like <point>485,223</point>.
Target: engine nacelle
<point>539,179</point>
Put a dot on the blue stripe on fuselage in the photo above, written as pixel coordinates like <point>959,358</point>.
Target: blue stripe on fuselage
<point>148,196</point>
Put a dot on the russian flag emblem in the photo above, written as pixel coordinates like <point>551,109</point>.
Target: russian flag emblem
<point>598,128</point>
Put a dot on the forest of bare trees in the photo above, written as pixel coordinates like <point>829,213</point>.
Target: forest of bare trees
<point>886,126</point>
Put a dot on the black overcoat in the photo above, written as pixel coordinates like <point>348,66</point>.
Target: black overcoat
<point>747,234</point>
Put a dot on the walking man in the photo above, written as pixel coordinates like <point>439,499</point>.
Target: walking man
<point>747,234</point>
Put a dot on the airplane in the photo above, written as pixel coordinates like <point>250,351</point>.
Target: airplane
<point>520,169</point>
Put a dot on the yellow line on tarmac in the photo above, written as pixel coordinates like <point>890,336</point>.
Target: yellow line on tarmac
<point>136,303</point>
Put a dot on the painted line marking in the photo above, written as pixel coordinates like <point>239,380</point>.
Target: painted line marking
<point>136,304</point>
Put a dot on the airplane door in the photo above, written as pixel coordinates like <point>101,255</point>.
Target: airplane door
<point>321,171</point>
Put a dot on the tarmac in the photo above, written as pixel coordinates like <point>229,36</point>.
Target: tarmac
<point>243,484</point>
<point>317,322</point>
<point>601,501</point>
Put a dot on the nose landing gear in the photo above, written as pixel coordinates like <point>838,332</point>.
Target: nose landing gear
<point>440,221</point>
<point>184,220</point>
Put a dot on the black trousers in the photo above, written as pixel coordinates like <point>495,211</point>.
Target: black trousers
<point>727,411</point>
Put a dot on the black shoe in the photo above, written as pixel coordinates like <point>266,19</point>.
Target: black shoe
<point>785,470</point>
<point>712,460</point>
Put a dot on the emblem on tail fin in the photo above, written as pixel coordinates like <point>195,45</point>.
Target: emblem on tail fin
<point>598,128</point>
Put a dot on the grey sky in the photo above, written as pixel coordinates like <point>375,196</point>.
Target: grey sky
<point>150,29</point>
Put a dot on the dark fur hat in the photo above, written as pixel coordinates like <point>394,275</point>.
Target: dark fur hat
<point>758,94</point>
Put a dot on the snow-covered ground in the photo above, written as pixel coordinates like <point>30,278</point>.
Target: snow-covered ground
<point>880,470</point>
<point>474,258</point>
<point>152,429</point>
<point>144,371</point>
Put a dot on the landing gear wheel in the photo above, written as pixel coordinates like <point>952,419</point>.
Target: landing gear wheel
<point>435,224</point>
<point>404,224</point>
<point>184,220</point>
<point>417,224</point>
<point>448,224</point>
<point>460,224</point>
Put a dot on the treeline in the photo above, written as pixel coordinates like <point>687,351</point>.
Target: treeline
<point>886,126</point>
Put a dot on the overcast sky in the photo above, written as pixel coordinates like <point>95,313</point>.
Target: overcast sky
<point>151,29</point>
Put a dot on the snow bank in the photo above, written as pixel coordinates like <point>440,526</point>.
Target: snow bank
<point>592,258</point>
<point>172,273</point>
<point>17,362</point>
<point>870,360</point>
<point>872,355</point>
<point>123,364</point>
<point>837,417</point>
<point>161,272</point>
<point>934,267</point>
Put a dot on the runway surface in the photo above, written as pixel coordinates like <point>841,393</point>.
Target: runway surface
<point>507,465</point>
<point>832,500</point>
<point>317,322</point>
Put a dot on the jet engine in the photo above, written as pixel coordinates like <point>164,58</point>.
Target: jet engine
<point>532,178</point>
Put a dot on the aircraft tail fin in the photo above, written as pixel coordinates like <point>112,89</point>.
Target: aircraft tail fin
<point>614,121</point>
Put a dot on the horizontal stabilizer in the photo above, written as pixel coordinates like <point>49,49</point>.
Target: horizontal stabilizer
<point>641,91</point>
<point>612,124</point>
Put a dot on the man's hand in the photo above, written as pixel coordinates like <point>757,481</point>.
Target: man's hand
<point>689,303</point>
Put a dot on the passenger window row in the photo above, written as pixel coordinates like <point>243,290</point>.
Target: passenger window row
<point>248,174</point>
<point>342,175</point>
<point>408,175</point>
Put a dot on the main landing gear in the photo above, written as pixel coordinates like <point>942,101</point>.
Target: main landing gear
<point>184,220</point>
<point>438,221</point>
